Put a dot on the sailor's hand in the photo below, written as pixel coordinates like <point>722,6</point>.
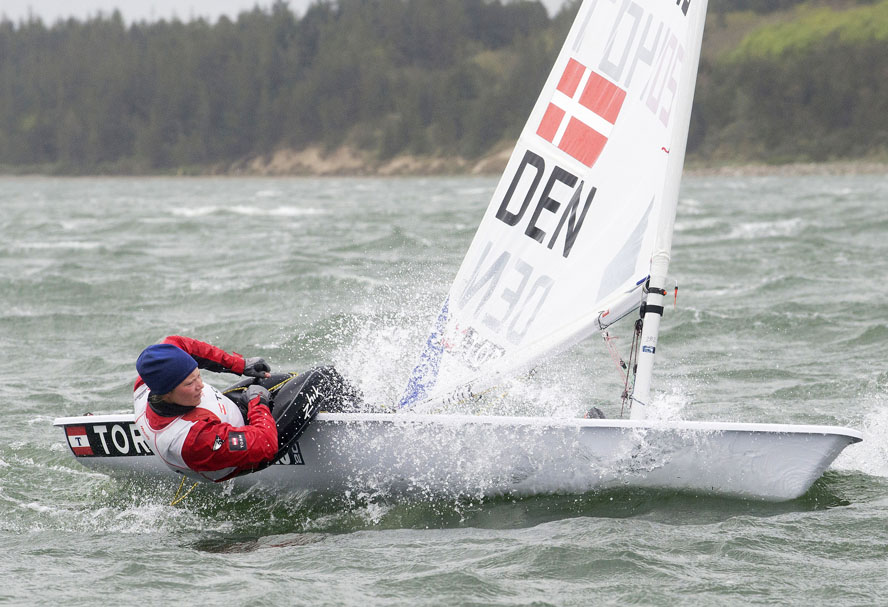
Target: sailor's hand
<point>256,367</point>
<point>258,392</point>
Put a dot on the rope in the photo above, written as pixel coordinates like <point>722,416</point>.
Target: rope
<point>271,389</point>
<point>176,498</point>
<point>615,355</point>
<point>633,362</point>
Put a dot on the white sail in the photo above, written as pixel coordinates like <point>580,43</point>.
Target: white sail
<point>581,208</point>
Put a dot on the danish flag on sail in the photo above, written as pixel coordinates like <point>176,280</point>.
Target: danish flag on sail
<point>582,113</point>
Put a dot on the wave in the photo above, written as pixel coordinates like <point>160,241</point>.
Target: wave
<point>73,245</point>
<point>767,229</point>
<point>249,211</point>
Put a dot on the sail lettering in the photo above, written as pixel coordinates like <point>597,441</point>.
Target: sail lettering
<point>473,350</point>
<point>548,201</point>
<point>539,164</point>
<point>520,290</point>
<point>510,296</point>
<point>622,40</point>
<point>646,53</point>
<point>657,47</point>
<point>574,223</point>
<point>669,63</point>
<point>538,292</point>
<point>490,278</point>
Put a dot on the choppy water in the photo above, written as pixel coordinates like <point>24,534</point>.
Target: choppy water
<point>781,317</point>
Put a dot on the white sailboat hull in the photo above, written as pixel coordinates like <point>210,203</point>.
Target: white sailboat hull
<point>452,455</point>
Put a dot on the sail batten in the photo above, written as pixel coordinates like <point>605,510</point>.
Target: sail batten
<point>580,210</point>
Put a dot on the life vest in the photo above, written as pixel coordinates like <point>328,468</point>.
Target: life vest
<point>167,441</point>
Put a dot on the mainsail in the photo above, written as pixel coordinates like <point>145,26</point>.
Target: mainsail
<point>585,205</point>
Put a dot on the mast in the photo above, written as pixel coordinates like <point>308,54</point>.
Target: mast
<point>656,287</point>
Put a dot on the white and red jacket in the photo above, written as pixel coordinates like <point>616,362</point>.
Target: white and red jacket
<point>210,441</point>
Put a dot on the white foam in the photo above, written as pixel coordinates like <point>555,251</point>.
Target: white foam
<point>376,355</point>
<point>669,406</point>
<point>871,455</point>
<point>277,211</point>
<point>765,229</point>
<point>195,211</point>
<point>248,211</point>
<point>62,245</point>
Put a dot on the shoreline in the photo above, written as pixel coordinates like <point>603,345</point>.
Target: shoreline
<point>350,162</point>
<point>794,169</point>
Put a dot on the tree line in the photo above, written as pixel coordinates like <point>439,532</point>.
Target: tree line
<point>390,77</point>
<point>809,88</point>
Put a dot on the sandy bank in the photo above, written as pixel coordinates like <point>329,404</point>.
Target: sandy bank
<point>346,161</point>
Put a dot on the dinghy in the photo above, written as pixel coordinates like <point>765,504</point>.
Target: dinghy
<point>577,236</point>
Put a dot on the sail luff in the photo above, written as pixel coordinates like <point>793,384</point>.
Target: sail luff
<point>663,245</point>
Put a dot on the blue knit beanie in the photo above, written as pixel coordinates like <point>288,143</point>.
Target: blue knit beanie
<point>164,366</point>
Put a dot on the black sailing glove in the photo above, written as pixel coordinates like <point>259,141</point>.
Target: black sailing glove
<point>256,367</point>
<point>256,391</point>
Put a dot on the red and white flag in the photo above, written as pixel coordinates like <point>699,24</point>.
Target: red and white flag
<point>78,440</point>
<point>582,113</point>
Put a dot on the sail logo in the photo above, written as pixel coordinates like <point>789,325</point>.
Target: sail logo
<point>582,113</point>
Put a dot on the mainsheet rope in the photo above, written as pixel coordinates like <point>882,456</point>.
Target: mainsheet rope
<point>176,498</point>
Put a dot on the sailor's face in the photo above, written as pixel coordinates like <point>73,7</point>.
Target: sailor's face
<point>188,393</point>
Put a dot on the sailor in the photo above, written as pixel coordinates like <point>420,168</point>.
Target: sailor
<point>195,429</point>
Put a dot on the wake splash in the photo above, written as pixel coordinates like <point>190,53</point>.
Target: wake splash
<point>377,347</point>
<point>375,353</point>
<point>669,406</point>
<point>871,455</point>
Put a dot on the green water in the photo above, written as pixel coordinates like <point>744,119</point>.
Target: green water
<point>781,317</point>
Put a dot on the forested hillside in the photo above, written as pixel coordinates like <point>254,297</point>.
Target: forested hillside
<point>809,84</point>
<point>779,81</point>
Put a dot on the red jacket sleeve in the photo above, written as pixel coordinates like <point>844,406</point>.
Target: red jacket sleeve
<point>207,356</point>
<point>212,445</point>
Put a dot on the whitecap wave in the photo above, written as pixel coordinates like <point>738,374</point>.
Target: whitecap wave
<point>767,229</point>
<point>248,211</point>
<point>62,245</point>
